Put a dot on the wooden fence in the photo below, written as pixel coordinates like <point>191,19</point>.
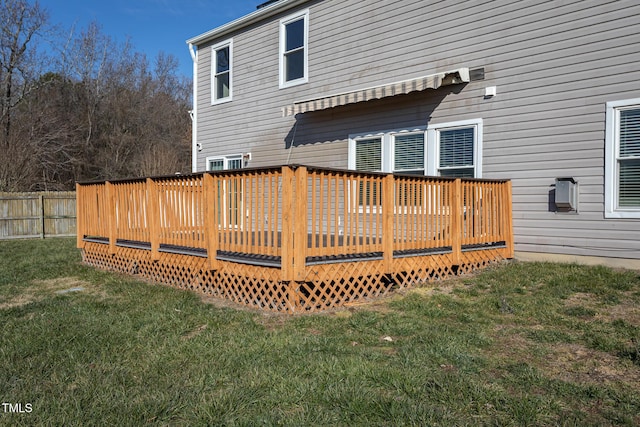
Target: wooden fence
<point>33,215</point>
<point>294,238</point>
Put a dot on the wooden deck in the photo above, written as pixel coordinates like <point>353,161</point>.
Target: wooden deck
<point>294,238</point>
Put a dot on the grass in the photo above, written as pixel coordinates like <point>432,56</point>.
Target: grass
<point>520,344</point>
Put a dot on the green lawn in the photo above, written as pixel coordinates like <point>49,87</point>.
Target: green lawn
<point>519,344</point>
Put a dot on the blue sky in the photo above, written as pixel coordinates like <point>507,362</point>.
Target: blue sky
<point>151,25</point>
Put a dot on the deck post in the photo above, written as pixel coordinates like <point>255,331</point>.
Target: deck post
<point>153,215</point>
<point>388,204</point>
<point>287,224</point>
<point>300,233</point>
<point>288,268</point>
<point>211,205</point>
<point>508,221</point>
<point>111,215</point>
<point>80,200</point>
<point>457,214</point>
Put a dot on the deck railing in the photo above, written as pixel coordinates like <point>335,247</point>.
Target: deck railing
<point>293,216</point>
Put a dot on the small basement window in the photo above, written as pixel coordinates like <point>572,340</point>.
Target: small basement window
<point>234,161</point>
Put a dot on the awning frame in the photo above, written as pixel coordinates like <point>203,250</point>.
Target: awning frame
<point>431,81</point>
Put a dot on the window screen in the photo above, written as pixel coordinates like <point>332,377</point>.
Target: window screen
<point>294,50</point>
<point>456,152</point>
<point>369,154</point>
<point>409,153</point>
<point>368,158</point>
<point>629,159</point>
<point>234,163</point>
<point>216,165</point>
<point>222,76</point>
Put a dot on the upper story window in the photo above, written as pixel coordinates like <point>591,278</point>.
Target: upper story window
<point>622,159</point>
<point>294,37</point>
<point>221,79</point>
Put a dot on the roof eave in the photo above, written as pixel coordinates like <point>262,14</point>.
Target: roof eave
<point>244,21</point>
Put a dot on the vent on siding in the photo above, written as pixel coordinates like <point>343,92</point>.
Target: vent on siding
<point>476,74</point>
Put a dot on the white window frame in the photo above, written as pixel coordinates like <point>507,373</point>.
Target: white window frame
<point>387,153</point>
<point>392,150</point>
<point>612,146</point>
<point>353,141</point>
<point>433,146</point>
<point>387,149</point>
<point>226,160</point>
<point>227,210</point>
<point>304,14</point>
<point>214,65</point>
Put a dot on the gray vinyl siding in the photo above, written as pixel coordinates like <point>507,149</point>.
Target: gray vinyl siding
<point>555,65</point>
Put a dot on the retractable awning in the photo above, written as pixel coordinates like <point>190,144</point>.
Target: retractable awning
<point>432,81</point>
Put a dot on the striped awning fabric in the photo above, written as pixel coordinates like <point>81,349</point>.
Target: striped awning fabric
<point>432,81</point>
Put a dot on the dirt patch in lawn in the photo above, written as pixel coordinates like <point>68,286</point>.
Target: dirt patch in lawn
<point>41,289</point>
<point>565,361</point>
<point>627,310</point>
<point>17,301</point>
<point>576,363</point>
<point>581,299</point>
<point>194,332</point>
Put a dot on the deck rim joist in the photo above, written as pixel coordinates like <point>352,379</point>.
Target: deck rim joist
<point>276,261</point>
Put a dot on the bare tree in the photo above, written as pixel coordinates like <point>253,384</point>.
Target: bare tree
<point>20,22</point>
<point>85,60</point>
<point>100,112</point>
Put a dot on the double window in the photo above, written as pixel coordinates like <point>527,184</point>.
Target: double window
<point>448,149</point>
<point>294,37</point>
<point>400,152</point>
<point>389,152</point>
<point>221,72</point>
<point>220,163</point>
<point>622,159</point>
<point>230,191</point>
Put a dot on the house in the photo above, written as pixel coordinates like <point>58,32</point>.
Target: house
<point>544,93</point>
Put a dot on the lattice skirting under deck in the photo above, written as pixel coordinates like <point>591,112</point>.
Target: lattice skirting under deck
<point>326,285</point>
